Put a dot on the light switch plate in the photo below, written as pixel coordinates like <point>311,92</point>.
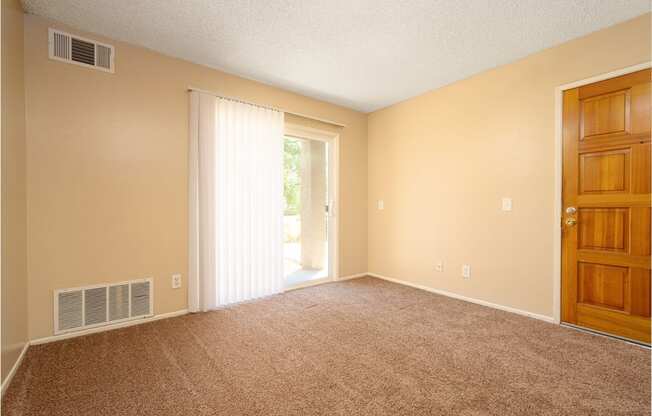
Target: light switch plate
<point>507,204</point>
<point>381,204</point>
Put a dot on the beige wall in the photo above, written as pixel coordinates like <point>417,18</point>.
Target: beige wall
<point>107,170</point>
<point>14,263</point>
<point>443,160</point>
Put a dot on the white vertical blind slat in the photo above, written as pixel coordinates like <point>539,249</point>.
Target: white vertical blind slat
<point>236,208</point>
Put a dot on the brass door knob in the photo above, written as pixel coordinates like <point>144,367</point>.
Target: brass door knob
<point>571,221</point>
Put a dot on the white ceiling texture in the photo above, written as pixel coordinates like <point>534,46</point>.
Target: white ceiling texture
<point>361,54</point>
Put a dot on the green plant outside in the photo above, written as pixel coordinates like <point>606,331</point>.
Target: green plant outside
<point>291,176</point>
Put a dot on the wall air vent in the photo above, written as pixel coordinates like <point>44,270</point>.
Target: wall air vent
<point>80,51</point>
<point>98,305</point>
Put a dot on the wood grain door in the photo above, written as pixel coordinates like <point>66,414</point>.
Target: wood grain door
<point>606,203</point>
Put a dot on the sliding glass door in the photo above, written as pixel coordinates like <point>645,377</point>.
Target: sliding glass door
<point>306,213</point>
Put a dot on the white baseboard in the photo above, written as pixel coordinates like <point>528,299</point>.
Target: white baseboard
<point>11,374</point>
<point>544,318</point>
<point>68,335</point>
<point>352,276</point>
<point>322,281</point>
<point>309,283</point>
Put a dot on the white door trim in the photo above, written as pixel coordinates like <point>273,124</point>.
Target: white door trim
<point>556,263</point>
<point>333,139</point>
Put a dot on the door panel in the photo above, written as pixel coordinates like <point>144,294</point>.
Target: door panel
<point>604,114</point>
<point>603,285</point>
<point>606,199</point>
<point>641,162</point>
<point>603,229</point>
<point>606,171</point>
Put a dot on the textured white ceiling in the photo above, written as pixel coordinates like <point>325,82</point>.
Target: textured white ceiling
<point>362,54</point>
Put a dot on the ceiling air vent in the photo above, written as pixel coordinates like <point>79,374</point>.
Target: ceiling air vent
<point>92,306</point>
<point>80,51</point>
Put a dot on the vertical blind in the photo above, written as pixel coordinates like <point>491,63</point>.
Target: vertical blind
<point>236,202</point>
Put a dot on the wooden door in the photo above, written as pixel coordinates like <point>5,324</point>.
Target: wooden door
<point>606,206</point>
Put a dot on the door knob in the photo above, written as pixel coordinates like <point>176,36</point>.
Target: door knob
<point>571,221</point>
<point>571,210</point>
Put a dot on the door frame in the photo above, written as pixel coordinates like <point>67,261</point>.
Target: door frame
<point>557,229</point>
<point>333,139</point>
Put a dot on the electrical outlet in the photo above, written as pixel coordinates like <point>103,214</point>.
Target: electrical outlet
<point>507,204</point>
<point>466,271</point>
<point>176,281</point>
<point>440,266</point>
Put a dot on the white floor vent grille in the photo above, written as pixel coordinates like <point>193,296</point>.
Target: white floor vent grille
<point>92,306</point>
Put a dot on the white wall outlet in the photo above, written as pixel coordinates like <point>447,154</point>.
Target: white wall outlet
<point>439,266</point>
<point>466,271</point>
<point>176,281</point>
<point>381,204</point>
<point>507,204</point>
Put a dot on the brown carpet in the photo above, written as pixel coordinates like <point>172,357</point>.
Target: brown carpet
<point>361,347</point>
